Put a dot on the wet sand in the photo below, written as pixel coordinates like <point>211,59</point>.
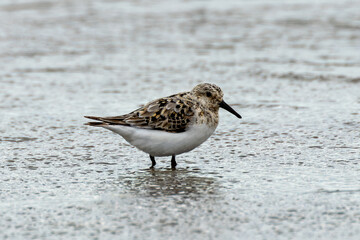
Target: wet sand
<point>288,170</point>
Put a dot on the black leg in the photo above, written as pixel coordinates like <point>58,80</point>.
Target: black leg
<point>173,162</point>
<point>152,158</point>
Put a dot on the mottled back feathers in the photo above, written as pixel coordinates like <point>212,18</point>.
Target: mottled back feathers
<point>174,113</point>
<point>171,114</point>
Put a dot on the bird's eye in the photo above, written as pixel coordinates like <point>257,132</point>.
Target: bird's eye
<point>208,94</point>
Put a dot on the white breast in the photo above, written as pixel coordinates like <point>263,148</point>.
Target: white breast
<point>161,143</point>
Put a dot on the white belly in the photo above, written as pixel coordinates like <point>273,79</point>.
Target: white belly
<point>161,143</point>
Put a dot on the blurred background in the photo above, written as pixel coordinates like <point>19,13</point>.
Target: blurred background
<point>288,170</point>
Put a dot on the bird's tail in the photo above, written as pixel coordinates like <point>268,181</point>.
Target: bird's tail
<point>95,124</point>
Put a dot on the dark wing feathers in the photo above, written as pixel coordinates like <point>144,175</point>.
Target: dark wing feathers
<point>170,114</point>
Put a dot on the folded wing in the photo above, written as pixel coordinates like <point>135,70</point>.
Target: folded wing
<point>171,114</point>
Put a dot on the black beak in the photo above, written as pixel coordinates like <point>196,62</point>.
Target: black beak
<point>228,108</point>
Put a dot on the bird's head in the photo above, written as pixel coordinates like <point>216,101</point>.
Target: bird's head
<point>211,96</point>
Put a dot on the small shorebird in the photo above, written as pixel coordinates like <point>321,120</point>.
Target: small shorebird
<point>171,125</point>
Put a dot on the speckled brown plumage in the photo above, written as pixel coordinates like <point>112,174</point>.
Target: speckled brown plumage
<point>173,113</point>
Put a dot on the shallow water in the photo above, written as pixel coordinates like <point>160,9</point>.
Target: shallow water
<point>288,170</point>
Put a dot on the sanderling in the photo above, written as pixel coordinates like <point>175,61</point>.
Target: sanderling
<point>171,125</point>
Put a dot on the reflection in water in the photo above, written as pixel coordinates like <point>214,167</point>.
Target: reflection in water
<point>160,182</point>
